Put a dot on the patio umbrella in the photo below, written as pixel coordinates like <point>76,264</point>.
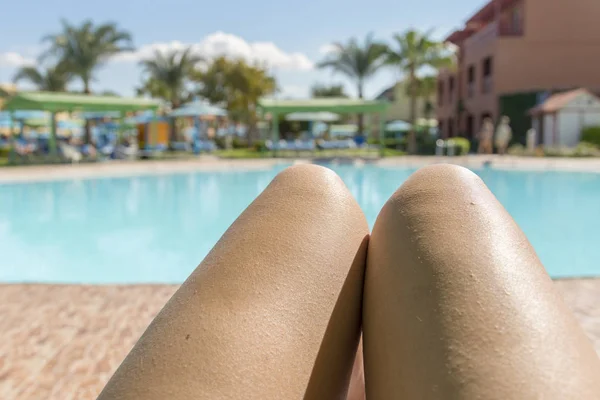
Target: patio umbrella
<point>398,126</point>
<point>313,117</point>
<point>198,109</point>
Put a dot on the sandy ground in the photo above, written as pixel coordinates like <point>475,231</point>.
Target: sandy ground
<point>64,342</point>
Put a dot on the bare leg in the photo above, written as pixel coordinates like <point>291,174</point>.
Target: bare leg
<point>458,306</point>
<point>274,306</point>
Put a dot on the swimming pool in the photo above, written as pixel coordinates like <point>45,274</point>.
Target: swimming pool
<point>149,229</point>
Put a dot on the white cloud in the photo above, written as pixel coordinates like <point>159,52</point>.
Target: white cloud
<point>226,44</point>
<point>327,48</point>
<point>293,91</point>
<point>14,59</point>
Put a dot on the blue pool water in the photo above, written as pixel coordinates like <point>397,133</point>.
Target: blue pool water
<point>158,228</point>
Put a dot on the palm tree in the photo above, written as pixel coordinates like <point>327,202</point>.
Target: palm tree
<point>426,88</point>
<point>168,74</point>
<point>413,51</point>
<point>52,79</point>
<point>87,47</point>
<point>359,62</point>
<point>320,90</point>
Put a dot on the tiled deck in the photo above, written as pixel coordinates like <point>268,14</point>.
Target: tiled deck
<point>64,342</point>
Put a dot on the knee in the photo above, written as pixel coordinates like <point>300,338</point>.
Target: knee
<point>309,183</point>
<point>437,189</point>
<point>308,177</point>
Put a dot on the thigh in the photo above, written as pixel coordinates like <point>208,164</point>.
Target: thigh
<point>272,308</point>
<point>457,304</point>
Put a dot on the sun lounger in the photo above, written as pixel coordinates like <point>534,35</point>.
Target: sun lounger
<point>300,145</point>
<point>281,145</point>
<point>130,152</point>
<point>150,151</point>
<point>70,153</point>
<point>181,146</point>
<point>207,146</point>
<point>337,144</point>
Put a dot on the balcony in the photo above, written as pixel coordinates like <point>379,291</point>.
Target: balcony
<point>510,28</point>
<point>483,38</point>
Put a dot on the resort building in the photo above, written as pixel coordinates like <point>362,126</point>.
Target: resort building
<point>399,108</point>
<point>513,55</point>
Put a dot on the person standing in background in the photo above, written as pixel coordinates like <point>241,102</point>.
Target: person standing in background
<point>486,137</point>
<point>503,135</point>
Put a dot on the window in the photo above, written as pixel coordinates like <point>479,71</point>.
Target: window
<point>451,88</point>
<point>440,93</point>
<point>471,81</point>
<point>470,127</point>
<point>486,82</point>
<point>516,21</point>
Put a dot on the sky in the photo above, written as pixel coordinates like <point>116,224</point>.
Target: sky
<point>289,36</point>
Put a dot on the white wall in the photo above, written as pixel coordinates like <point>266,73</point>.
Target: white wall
<point>569,128</point>
<point>548,130</point>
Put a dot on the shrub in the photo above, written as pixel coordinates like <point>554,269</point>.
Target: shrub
<point>585,149</point>
<point>517,150</point>
<point>388,143</point>
<point>239,143</point>
<point>462,146</point>
<point>591,134</point>
<point>260,146</point>
<point>558,151</point>
<point>220,142</point>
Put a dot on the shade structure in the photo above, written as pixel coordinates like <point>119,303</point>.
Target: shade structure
<point>398,126</point>
<point>198,109</point>
<point>55,102</point>
<point>313,116</point>
<point>334,105</point>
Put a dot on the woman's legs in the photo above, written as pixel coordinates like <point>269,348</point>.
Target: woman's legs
<point>457,304</point>
<point>274,308</point>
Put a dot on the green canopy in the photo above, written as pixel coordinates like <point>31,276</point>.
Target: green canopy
<point>56,102</point>
<point>334,105</point>
<point>60,102</point>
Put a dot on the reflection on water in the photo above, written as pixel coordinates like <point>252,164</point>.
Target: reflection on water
<point>158,228</point>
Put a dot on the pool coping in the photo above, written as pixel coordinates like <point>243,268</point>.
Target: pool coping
<point>40,173</point>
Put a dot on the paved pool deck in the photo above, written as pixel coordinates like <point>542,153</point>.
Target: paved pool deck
<point>209,163</point>
<point>64,342</point>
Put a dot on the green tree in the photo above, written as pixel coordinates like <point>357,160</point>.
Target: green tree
<point>358,62</point>
<point>411,52</point>
<point>237,86</point>
<point>86,48</point>
<point>168,75</point>
<point>320,90</point>
<point>52,79</point>
<point>426,89</point>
